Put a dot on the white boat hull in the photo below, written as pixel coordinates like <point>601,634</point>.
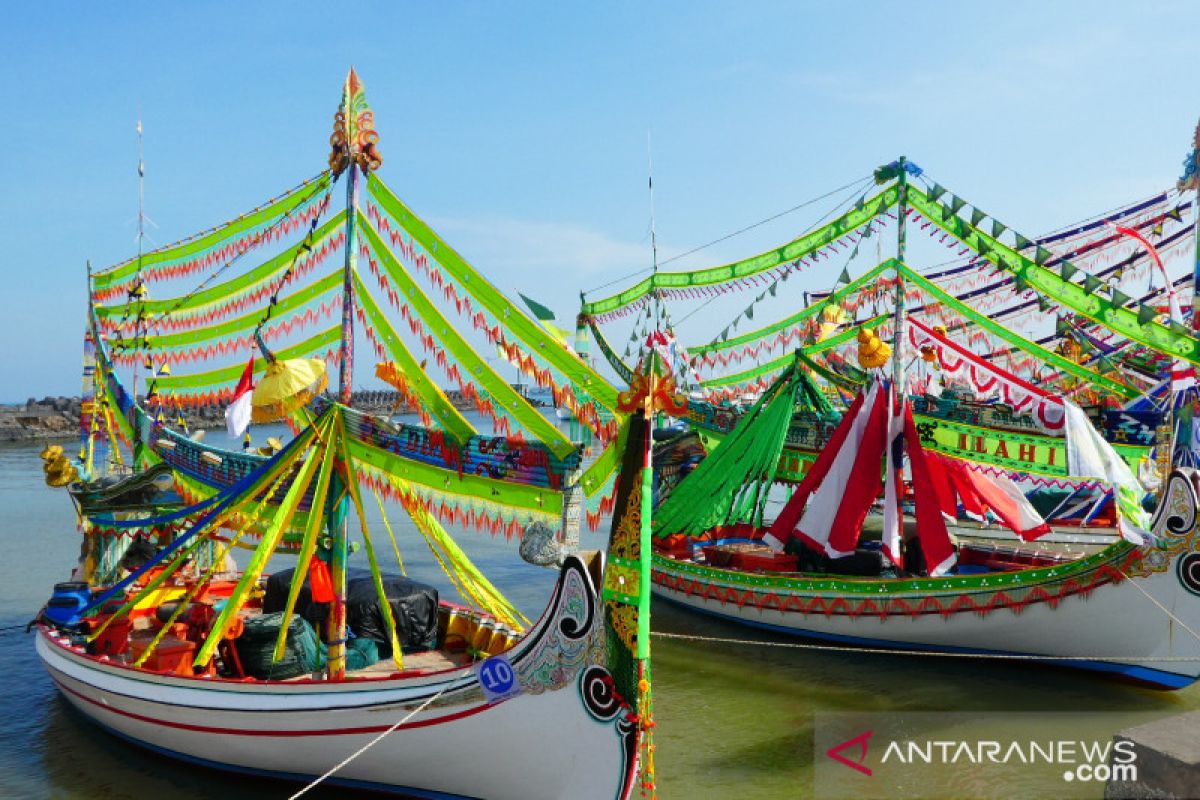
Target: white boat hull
<point>564,736</point>
<point>1137,615</point>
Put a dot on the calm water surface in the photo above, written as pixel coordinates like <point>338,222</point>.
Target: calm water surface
<point>732,721</point>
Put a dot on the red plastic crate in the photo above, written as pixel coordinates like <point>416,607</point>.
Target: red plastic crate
<point>774,562</point>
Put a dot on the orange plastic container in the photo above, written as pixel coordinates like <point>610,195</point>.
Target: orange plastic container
<point>115,638</point>
<point>171,655</point>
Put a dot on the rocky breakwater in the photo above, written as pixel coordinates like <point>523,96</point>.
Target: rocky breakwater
<point>48,419</point>
<point>57,418</point>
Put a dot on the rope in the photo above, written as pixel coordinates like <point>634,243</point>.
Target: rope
<point>1165,610</point>
<point>738,232</point>
<point>157,320</point>
<point>371,743</point>
<point>845,202</point>
<point>923,653</point>
<point>762,222</point>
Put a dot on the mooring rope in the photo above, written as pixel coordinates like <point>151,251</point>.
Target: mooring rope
<point>1165,610</point>
<point>886,651</point>
<point>372,743</point>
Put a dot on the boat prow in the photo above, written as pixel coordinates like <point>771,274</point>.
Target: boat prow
<point>565,733</point>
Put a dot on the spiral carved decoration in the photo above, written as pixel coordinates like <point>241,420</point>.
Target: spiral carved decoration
<point>577,623</point>
<point>1176,515</point>
<point>605,704</point>
<point>354,139</point>
<point>599,693</point>
<point>1188,571</point>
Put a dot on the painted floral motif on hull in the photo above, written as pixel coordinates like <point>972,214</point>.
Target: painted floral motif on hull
<point>572,640</point>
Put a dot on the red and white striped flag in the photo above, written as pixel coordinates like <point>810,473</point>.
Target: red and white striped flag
<point>833,519</point>
<point>237,414</point>
<point>997,494</point>
<point>936,545</point>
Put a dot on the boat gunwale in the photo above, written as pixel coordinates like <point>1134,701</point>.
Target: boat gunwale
<point>903,587</point>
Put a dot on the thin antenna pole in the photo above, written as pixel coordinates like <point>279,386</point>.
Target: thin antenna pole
<point>141,192</point>
<point>650,173</point>
<point>653,232</point>
<point>141,237</point>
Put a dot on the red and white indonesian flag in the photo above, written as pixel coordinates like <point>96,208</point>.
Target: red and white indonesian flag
<point>237,414</point>
<point>828,508</point>
<point>1183,376</point>
<point>981,493</point>
<point>842,485</point>
<point>936,545</point>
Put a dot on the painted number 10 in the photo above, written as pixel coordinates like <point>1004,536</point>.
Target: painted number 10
<point>496,675</point>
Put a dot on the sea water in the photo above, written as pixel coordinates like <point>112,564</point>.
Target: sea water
<point>734,721</point>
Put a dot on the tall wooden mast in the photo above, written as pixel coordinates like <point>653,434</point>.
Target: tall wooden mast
<point>354,149</point>
<point>353,142</point>
<point>901,246</point>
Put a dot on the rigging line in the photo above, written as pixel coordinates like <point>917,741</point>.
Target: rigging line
<point>1071,253</point>
<point>371,743</point>
<point>1170,192</point>
<point>621,279</point>
<point>892,651</point>
<point>207,231</point>
<point>854,183</point>
<point>182,300</point>
<point>1164,609</point>
<point>1041,239</point>
<point>789,268</point>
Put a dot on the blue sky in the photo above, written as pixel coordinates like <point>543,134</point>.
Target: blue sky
<point>519,129</point>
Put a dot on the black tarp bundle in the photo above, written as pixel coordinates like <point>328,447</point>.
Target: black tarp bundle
<point>414,608</point>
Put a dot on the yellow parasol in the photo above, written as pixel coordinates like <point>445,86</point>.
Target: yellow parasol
<point>286,387</point>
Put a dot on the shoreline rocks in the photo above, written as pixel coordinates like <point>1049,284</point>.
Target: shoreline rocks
<point>55,419</point>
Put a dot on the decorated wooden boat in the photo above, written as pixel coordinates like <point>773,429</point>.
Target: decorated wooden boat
<point>320,673</point>
<point>1122,610</point>
<point>446,737</point>
<point>870,546</point>
<point>1129,606</point>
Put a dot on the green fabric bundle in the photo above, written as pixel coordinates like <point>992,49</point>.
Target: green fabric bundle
<point>732,483</point>
<point>304,655</point>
